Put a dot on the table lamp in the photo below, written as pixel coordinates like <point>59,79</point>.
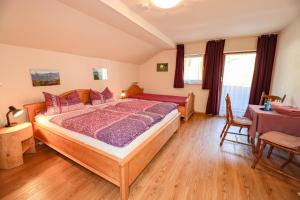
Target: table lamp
<point>15,112</point>
<point>123,94</point>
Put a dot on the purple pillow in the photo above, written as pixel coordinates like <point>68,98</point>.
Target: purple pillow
<point>57,105</point>
<point>96,97</point>
<point>107,94</point>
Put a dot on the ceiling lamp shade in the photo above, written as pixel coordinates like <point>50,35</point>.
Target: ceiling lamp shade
<point>165,4</point>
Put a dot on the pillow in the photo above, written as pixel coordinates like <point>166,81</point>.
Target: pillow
<point>57,105</point>
<point>107,94</point>
<point>96,97</point>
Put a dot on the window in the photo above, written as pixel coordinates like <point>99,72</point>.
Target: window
<point>193,65</point>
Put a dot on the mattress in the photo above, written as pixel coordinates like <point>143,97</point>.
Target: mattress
<point>163,98</point>
<point>119,152</point>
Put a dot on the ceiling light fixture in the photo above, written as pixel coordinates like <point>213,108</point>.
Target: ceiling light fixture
<point>165,4</point>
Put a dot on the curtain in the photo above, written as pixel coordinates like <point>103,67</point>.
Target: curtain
<point>178,79</point>
<point>212,74</point>
<point>265,54</point>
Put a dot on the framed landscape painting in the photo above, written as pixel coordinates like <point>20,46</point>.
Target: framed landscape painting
<point>100,73</point>
<point>162,67</point>
<point>44,77</point>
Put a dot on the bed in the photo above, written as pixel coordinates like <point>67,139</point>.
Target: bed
<point>119,167</point>
<point>186,104</point>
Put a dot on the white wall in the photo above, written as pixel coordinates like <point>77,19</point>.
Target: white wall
<point>162,82</point>
<point>75,72</point>
<point>286,71</point>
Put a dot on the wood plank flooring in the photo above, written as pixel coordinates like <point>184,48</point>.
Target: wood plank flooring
<point>190,166</point>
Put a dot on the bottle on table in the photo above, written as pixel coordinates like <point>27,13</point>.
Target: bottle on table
<point>267,105</point>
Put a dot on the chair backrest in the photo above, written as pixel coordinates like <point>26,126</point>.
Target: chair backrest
<point>265,96</point>
<point>229,115</point>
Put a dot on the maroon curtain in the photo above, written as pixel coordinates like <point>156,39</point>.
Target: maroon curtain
<point>261,80</point>
<point>212,74</point>
<point>178,80</point>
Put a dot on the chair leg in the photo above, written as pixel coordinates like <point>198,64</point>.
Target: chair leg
<point>240,129</point>
<point>223,129</point>
<point>258,157</point>
<point>252,140</point>
<point>224,134</point>
<point>291,156</point>
<point>258,145</point>
<point>270,152</point>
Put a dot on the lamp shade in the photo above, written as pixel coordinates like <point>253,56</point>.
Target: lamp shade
<point>16,112</point>
<point>165,4</point>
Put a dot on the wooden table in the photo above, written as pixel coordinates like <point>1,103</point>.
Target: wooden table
<point>264,121</point>
<point>14,141</point>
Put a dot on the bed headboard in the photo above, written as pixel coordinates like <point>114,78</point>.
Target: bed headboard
<point>84,95</point>
<point>133,90</point>
<point>35,108</point>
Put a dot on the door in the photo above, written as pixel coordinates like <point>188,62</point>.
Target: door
<point>237,79</point>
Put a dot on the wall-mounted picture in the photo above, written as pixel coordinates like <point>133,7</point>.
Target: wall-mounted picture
<point>44,77</point>
<point>100,73</point>
<point>162,67</point>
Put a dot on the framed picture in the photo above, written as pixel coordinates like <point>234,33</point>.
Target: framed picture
<point>44,77</point>
<point>100,73</point>
<point>162,67</point>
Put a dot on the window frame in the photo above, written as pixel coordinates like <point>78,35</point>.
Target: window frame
<point>194,82</point>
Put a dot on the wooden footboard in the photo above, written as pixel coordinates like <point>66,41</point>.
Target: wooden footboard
<point>121,172</point>
<point>186,111</point>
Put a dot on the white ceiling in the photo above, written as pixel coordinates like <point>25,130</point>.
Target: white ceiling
<point>127,30</point>
<point>194,20</point>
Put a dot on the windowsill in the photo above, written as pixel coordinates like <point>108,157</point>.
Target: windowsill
<point>193,82</point>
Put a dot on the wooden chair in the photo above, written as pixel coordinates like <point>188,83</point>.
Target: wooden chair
<point>285,142</point>
<point>241,122</point>
<point>265,96</point>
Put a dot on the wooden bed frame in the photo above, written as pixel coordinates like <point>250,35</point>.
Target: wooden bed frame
<point>121,172</point>
<point>186,111</point>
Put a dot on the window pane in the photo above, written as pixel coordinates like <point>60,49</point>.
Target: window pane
<point>193,69</point>
<point>238,69</point>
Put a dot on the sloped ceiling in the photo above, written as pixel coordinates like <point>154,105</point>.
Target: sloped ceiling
<point>194,20</point>
<point>60,26</point>
<point>134,30</point>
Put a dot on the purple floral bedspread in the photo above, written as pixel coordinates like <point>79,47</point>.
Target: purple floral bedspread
<point>116,125</point>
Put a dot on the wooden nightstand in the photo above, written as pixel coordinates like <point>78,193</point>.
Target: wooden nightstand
<point>14,141</point>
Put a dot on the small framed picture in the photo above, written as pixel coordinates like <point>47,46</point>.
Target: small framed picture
<point>100,73</point>
<point>44,77</point>
<point>162,67</point>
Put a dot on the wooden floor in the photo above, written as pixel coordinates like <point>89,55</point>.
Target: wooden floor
<point>190,166</point>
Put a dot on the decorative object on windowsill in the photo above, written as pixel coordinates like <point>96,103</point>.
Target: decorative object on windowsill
<point>162,67</point>
<point>15,112</point>
<point>100,74</point>
<point>44,77</point>
<point>123,94</point>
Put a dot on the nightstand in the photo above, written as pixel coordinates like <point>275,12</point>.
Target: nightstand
<point>14,141</point>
